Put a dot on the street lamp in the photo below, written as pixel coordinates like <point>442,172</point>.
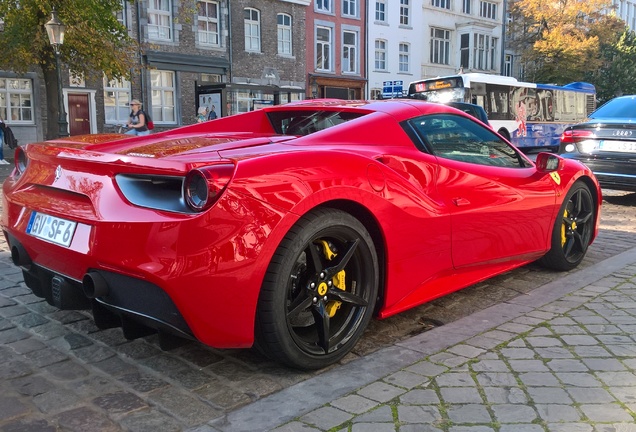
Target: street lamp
<point>55,30</point>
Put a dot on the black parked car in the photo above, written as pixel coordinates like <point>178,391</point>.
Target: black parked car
<point>606,143</point>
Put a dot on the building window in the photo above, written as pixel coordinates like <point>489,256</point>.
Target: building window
<point>324,5</point>
<point>160,19</point>
<point>466,6</point>
<point>349,52</point>
<point>162,86</point>
<point>252,20</point>
<point>350,8</point>
<point>380,55</point>
<point>440,46</point>
<point>464,50</point>
<point>16,96</point>
<point>284,34</point>
<point>404,12</point>
<point>484,48</point>
<point>444,4</point>
<point>508,62</point>
<point>323,48</point>
<point>488,10</point>
<point>121,13</point>
<point>404,57</point>
<point>116,100</point>
<point>380,11</point>
<point>208,22</point>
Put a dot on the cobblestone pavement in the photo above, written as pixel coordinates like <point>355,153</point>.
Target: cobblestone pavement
<point>59,372</point>
<point>561,359</point>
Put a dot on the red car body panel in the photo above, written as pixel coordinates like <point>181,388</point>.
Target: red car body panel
<point>443,224</point>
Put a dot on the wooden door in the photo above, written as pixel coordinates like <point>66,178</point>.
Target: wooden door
<point>78,114</point>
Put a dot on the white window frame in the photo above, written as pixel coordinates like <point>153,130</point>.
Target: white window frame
<point>404,57</point>
<point>118,111</point>
<point>325,6</point>
<point>160,20</point>
<point>380,11</point>
<point>164,96</point>
<point>405,13</point>
<point>16,100</point>
<point>381,54</point>
<point>442,4</point>
<point>508,64</point>
<point>350,52</point>
<point>209,36</point>
<point>350,8</point>
<point>484,51</point>
<point>324,47</point>
<point>121,14</point>
<point>252,30</point>
<point>467,7</point>
<point>284,31</point>
<point>488,10</point>
<point>440,45</point>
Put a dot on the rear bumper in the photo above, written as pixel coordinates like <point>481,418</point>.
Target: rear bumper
<point>124,298</point>
<point>613,174</point>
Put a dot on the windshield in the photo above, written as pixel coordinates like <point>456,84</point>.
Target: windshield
<point>620,107</point>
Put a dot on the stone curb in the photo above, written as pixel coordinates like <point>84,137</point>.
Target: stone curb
<point>307,396</point>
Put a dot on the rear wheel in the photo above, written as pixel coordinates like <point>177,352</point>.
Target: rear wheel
<point>572,230</point>
<point>319,292</point>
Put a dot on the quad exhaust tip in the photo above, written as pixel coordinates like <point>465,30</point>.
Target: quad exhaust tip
<point>94,285</point>
<point>19,255</point>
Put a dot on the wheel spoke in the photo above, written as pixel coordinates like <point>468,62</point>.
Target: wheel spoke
<point>322,325</point>
<point>569,244</point>
<point>299,304</point>
<point>331,271</point>
<point>315,260</point>
<point>347,297</point>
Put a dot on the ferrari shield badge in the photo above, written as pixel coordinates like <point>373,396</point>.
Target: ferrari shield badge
<point>556,177</point>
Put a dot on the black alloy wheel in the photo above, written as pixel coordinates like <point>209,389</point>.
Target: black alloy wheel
<point>319,292</point>
<point>572,230</point>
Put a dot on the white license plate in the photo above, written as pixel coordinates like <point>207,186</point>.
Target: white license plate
<point>50,228</point>
<point>617,146</point>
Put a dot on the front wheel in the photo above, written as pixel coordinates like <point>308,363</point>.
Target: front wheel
<point>572,230</point>
<point>319,291</point>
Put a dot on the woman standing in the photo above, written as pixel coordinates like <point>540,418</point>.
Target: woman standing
<point>137,120</point>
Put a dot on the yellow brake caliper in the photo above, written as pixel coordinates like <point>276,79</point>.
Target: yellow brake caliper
<point>564,228</point>
<point>338,280</point>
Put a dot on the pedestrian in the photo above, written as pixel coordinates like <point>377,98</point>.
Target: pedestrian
<point>3,161</point>
<point>212,114</point>
<point>137,120</point>
<point>202,114</point>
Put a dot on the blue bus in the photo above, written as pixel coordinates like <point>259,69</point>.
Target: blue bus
<point>531,116</point>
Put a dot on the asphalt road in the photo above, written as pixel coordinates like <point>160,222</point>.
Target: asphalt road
<point>59,369</point>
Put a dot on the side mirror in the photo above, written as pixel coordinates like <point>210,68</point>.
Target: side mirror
<point>548,162</point>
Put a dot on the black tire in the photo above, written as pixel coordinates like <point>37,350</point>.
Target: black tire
<point>572,230</point>
<point>303,319</point>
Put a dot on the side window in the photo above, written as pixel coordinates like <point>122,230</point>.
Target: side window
<point>458,138</point>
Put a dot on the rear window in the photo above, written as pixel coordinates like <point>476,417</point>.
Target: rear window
<point>305,122</point>
<point>623,107</point>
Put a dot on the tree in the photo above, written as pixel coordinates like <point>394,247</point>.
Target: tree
<point>95,42</point>
<point>616,76</point>
<point>560,40</point>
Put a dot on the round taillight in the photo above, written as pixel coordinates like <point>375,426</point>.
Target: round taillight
<point>202,187</point>
<point>21,160</point>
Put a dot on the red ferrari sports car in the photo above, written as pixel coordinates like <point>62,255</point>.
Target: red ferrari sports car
<point>288,227</point>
